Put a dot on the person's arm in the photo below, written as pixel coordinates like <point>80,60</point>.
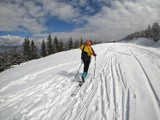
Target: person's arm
<point>93,52</point>
<point>81,47</point>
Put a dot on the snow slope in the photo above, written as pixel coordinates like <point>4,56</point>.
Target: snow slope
<point>126,86</point>
<point>144,42</point>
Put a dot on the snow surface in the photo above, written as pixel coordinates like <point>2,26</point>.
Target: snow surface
<point>126,86</point>
<point>144,42</point>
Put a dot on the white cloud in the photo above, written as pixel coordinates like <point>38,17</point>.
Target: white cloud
<point>14,17</point>
<point>29,16</point>
<point>112,22</point>
<point>65,12</point>
<point>33,9</point>
<point>123,18</point>
<point>83,3</point>
<point>61,10</point>
<point>117,21</point>
<point>11,40</point>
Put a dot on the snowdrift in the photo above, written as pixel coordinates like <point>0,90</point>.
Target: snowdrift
<point>145,42</point>
<point>125,86</point>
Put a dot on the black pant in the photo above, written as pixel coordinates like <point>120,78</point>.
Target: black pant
<point>86,65</point>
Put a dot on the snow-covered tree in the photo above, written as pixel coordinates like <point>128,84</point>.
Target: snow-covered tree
<point>81,41</point>
<point>70,43</point>
<point>76,44</point>
<point>156,31</point>
<point>56,44</point>
<point>43,49</point>
<point>34,52</point>
<point>61,46</point>
<point>50,45</point>
<point>26,49</point>
<point>149,32</point>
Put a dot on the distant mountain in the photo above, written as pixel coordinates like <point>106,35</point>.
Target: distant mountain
<point>7,48</point>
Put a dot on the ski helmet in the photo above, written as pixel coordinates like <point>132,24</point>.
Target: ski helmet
<point>88,43</point>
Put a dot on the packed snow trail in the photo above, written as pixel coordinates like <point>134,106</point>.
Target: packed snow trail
<point>125,87</point>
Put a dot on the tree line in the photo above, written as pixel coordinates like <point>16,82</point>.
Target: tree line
<point>31,51</point>
<point>152,32</point>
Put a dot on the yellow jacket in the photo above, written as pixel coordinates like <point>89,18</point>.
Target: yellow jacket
<point>88,49</point>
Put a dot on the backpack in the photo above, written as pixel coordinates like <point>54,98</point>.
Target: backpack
<point>84,55</point>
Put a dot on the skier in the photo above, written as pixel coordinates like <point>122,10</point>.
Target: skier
<point>87,52</point>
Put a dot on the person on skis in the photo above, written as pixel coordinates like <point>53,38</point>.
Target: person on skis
<point>87,52</point>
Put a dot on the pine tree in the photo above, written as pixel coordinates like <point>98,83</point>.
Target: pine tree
<point>14,56</point>
<point>81,41</point>
<point>56,45</point>
<point>8,61</point>
<point>70,43</point>
<point>49,45</point>
<point>34,53</point>
<point>156,31</point>
<point>143,34</point>
<point>61,46</point>
<point>2,60</point>
<point>26,49</point>
<point>43,49</point>
<point>149,32</point>
<point>76,44</point>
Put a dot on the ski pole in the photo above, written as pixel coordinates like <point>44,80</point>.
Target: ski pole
<point>95,67</point>
<point>77,71</point>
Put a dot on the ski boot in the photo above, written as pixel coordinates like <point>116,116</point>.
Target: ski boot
<point>83,76</point>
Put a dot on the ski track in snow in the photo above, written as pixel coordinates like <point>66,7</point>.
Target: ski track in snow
<point>43,94</point>
<point>149,85</point>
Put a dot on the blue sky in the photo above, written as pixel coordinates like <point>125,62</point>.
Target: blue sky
<point>104,20</point>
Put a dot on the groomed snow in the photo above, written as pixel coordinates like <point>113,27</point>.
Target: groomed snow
<point>126,86</point>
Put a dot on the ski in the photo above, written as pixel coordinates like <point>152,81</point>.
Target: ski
<point>81,83</point>
<point>75,91</point>
<point>77,88</point>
